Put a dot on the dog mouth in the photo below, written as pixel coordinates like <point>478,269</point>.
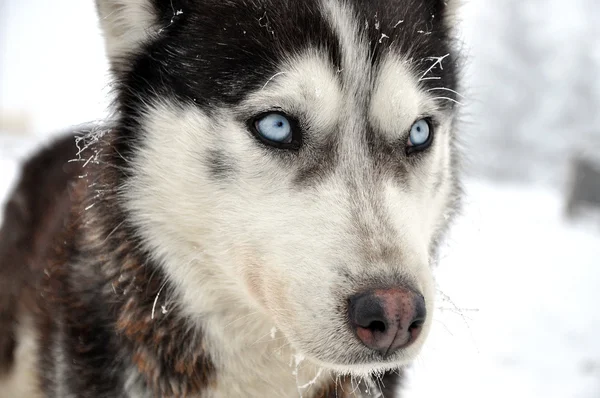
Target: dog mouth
<point>377,329</point>
<point>374,324</point>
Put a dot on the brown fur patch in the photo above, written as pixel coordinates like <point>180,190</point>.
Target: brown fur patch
<point>68,253</point>
<point>110,295</point>
<point>166,348</point>
<point>34,213</point>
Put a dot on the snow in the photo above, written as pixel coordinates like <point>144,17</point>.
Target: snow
<point>523,318</point>
<point>52,62</point>
<point>532,88</point>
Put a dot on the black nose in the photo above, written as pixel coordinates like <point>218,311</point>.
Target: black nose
<point>388,319</point>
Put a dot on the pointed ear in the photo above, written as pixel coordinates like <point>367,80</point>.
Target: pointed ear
<point>125,25</point>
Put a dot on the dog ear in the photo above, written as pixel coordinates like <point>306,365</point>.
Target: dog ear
<point>126,24</point>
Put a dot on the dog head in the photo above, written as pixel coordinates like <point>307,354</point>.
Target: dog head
<point>298,155</point>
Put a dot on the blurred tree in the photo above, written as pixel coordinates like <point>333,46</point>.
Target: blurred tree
<point>536,95</point>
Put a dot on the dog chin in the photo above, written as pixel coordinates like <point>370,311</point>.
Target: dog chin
<point>361,369</point>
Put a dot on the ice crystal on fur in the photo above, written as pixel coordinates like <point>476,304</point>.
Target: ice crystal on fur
<point>156,299</point>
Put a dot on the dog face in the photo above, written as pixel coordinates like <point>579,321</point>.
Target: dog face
<point>294,156</point>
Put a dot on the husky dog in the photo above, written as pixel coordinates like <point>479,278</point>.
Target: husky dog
<point>261,216</point>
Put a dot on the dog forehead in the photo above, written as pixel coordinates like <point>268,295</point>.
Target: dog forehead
<point>240,47</point>
<point>310,85</point>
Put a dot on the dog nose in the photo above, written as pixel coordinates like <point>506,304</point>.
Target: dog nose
<point>387,320</point>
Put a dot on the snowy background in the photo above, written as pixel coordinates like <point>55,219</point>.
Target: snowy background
<point>519,284</point>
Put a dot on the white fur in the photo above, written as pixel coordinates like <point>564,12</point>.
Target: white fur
<point>254,253</point>
<point>258,247</point>
<point>397,100</point>
<point>306,85</point>
<point>195,241</point>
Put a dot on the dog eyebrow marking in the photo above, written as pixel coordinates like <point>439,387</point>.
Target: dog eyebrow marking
<point>396,99</point>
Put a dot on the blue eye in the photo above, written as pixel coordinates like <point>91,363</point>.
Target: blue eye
<point>274,127</point>
<point>420,135</point>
